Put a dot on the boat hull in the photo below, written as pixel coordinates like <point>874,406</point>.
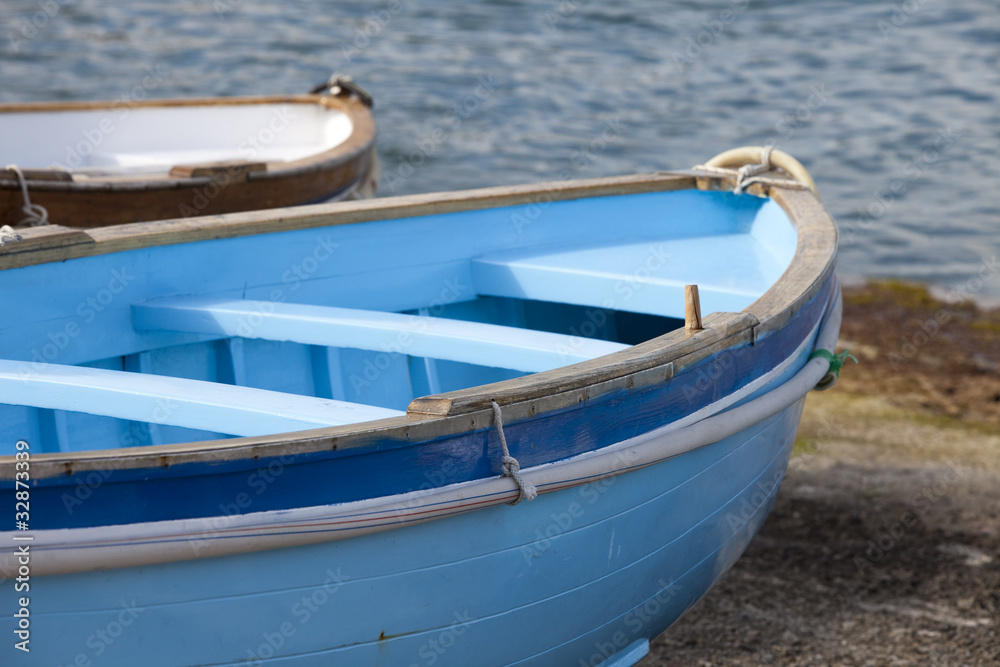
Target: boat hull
<point>574,577</point>
<point>328,531</point>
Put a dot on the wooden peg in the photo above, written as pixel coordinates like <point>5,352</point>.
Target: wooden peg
<point>692,309</point>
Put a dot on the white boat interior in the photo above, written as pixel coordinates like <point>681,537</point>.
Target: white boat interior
<point>124,140</point>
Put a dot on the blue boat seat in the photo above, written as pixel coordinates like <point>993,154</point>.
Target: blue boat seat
<point>157,399</point>
<point>639,277</point>
<point>415,335</point>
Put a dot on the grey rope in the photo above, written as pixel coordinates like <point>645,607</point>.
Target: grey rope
<point>37,215</point>
<point>509,465</point>
<point>7,233</point>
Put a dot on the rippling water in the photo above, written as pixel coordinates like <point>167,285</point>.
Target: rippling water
<point>892,107</point>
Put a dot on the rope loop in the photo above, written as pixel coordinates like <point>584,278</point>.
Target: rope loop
<point>36,214</point>
<point>509,465</point>
<point>745,174</point>
<point>7,233</point>
<point>748,163</point>
<point>836,362</point>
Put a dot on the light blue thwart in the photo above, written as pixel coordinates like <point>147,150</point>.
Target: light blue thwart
<point>270,437</point>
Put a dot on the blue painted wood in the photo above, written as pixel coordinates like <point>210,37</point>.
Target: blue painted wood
<point>232,364</point>
<point>431,363</point>
<point>141,362</point>
<point>649,275</point>
<point>388,467</point>
<point>774,235</point>
<point>392,265</point>
<point>576,576</point>
<point>402,265</point>
<point>424,336</point>
<point>327,377</point>
<point>173,401</point>
<point>645,277</point>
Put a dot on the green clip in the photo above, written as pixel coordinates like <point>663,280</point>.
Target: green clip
<point>836,361</point>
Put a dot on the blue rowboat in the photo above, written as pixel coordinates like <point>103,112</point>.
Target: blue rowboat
<point>471,428</point>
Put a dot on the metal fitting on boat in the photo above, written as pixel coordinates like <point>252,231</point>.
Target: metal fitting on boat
<point>340,85</point>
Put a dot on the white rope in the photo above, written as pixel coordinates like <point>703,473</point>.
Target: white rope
<point>7,233</point>
<point>509,465</point>
<point>749,174</point>
<point>37,215</point>
<point>749,170</point>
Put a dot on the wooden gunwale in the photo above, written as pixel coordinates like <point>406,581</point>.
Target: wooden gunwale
<point>654,361</point>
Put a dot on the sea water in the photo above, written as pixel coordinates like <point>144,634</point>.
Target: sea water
<point>892,106</point>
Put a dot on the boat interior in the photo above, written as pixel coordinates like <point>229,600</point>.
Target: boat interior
<point>122,139</point>
<point>347,323</point>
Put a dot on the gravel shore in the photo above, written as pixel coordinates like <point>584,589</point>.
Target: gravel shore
<point>883,547</point>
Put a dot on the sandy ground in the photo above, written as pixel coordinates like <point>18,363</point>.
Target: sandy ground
<point>883,547</point>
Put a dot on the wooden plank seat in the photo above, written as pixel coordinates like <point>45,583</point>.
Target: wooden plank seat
<point>643,277</point>
<point>170,401</point>
<point>415,335</point>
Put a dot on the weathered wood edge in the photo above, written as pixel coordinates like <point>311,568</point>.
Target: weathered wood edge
<point>814,262</point>
<point>114,105</point>
<point>720,328</point>
<point>129,236</point>
<point>48,238</point>
<point>815,254</point>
